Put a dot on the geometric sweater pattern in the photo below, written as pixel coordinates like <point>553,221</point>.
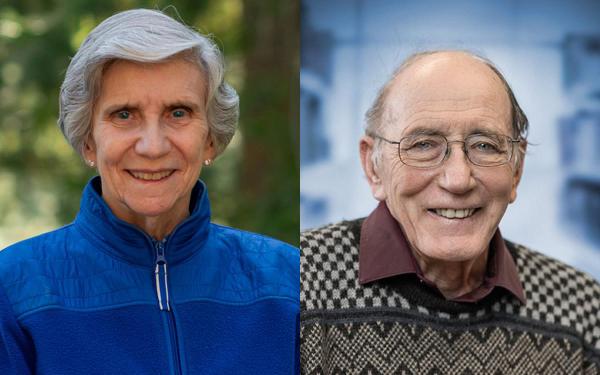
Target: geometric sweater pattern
<point>397,326</point>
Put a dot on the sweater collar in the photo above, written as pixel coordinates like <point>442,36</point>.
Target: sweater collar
<point>128,242</point>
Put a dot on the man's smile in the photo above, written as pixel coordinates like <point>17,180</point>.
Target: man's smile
<point>452,213</point>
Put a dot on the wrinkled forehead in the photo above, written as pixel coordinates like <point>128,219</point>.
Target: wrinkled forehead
<point>446,90</point>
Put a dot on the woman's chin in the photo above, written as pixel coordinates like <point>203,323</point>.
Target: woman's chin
<point>153,207</point>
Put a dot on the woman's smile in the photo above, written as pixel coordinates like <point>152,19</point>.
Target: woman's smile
<point>151,176</point>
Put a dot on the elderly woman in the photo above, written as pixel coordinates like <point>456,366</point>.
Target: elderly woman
<point>142,282</point>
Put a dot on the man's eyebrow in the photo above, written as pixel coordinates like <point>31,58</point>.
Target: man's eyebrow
<point>483,131</point>
<point>421,130</point>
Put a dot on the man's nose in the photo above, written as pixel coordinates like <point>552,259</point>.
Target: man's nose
<point>457,174</point>
<point>153,142</point>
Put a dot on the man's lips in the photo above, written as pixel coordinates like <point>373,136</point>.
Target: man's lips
<point>454,213</point>
<point>149,175</point>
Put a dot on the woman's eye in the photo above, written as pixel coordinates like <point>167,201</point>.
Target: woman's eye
<point>179,113</point>
<point>123,115</point>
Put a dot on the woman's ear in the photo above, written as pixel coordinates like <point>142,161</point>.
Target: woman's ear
<point>210,151</point>
<point>89,152</point>
<point>371,167</point>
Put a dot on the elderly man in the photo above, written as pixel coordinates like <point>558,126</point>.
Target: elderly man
<point>426,284</point>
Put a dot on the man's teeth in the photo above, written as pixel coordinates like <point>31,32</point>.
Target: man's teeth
<point>151,176</point>
<point>450,213</point>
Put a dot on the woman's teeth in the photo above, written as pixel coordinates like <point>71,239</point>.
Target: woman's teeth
<point>151,176</point>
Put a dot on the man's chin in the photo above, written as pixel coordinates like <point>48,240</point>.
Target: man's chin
<point>453,250</point>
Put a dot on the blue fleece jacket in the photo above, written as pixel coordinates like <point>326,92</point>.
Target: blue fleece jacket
<point>99,296</point>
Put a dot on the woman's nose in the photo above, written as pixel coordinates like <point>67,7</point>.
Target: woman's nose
<point>153,142</point>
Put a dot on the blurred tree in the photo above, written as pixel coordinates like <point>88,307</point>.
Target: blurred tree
<point>254,185</point>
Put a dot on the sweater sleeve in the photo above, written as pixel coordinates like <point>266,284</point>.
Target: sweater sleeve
<point>16,349</point>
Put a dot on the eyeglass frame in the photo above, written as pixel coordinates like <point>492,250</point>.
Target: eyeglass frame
<point>447,152</point>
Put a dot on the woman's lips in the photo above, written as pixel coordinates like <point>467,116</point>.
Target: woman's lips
<point>150,175</point>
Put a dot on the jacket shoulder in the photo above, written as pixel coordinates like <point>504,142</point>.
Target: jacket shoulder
<point>28,265</point>
<point>254,242</point>
<point>557,293</point>
<point>272,265</point>
<point>35,249</point>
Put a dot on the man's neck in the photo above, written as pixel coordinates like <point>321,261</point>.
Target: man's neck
<point>454,279</point>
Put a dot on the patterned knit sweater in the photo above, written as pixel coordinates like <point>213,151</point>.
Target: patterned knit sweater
<point>396,326</point>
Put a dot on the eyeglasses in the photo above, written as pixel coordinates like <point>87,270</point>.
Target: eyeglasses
<point>430,150</point>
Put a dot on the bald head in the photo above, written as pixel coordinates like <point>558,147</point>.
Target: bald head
<point>440,76</point>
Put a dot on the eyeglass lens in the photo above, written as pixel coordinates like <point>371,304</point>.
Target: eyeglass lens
<point>431,150</point>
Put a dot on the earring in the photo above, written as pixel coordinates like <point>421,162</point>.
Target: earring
<point>91,163</point>
<point>208,162</point>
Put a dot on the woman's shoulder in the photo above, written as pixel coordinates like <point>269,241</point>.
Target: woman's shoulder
<point>252,242</point>
<point>30,259</point>
<point>38,247</point>
<point>264,259</point>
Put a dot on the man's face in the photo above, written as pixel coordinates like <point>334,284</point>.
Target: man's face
<point>455,96</point>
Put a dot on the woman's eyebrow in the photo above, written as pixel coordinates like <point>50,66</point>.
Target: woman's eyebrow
<point>185,104</point>
<point>118,106</point>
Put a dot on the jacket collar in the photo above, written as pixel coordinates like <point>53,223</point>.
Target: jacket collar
<point>126,241</point>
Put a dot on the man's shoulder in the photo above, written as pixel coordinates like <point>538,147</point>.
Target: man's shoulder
<point>337,244</point>
<point>538,269</point>
<point>329,265</point>
<point>557,293</point>
<point>325,237</point>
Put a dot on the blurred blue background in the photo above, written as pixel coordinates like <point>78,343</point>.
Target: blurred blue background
<point>548,50</point>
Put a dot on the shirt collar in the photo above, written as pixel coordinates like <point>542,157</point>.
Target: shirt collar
<point>126,241</point>
<point>385,252</point>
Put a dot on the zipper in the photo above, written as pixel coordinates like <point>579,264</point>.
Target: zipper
<point>161,276</point>
<point>162,294</point>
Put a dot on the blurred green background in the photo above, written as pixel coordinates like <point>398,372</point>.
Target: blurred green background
<point>254,185</point>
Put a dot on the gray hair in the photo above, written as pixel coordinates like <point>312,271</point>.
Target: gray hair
<point>374,117</point>
<point>147,36</point>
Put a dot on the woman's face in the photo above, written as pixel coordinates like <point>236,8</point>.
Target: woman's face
<point>150,137</point>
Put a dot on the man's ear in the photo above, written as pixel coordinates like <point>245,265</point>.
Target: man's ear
<point>518,172</point>
<point>372,170</point>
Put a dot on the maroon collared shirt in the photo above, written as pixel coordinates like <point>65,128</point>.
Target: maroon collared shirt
<point>384,252</point>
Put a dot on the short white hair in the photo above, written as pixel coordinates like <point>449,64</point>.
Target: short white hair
<point>375,116</point>
<point>146,36</point>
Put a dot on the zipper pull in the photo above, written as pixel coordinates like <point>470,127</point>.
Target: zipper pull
<point>160,274</point>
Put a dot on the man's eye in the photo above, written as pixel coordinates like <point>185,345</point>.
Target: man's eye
<point>423,145</point>
<point>486,147</point>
